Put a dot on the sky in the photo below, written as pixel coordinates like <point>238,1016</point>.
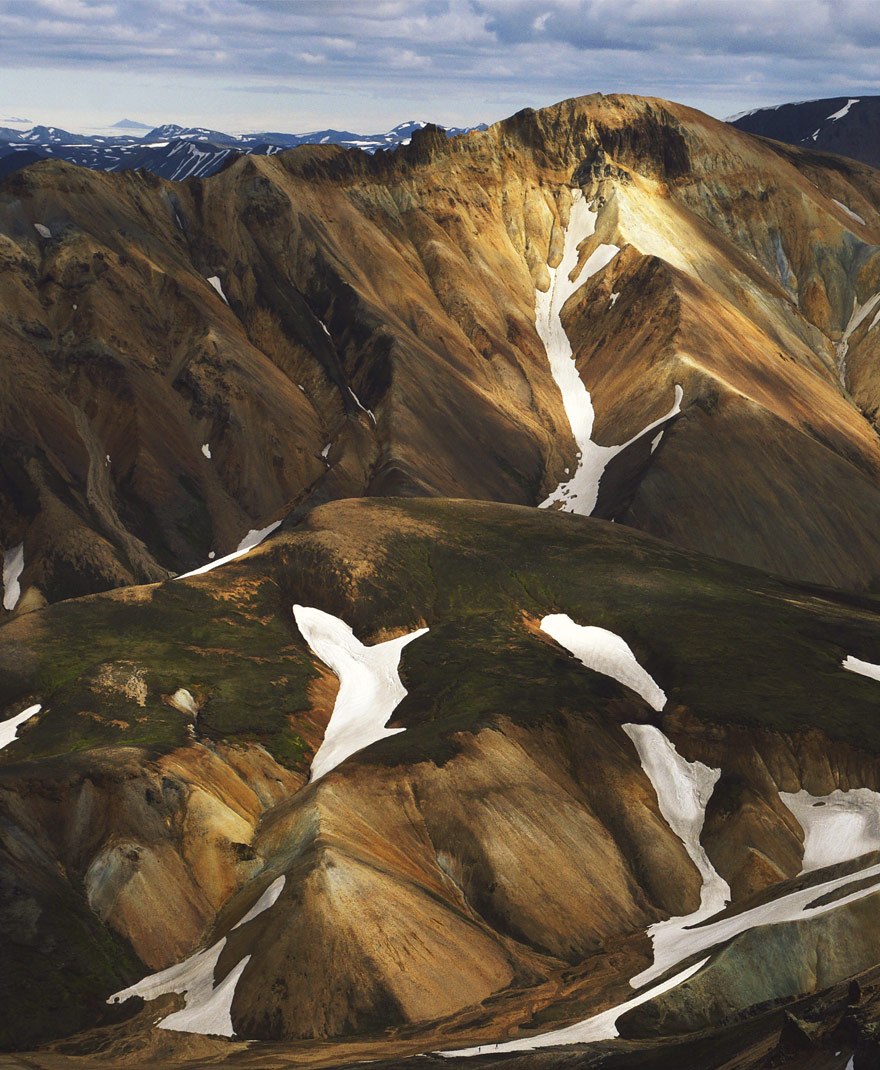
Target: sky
<point>366,65</point>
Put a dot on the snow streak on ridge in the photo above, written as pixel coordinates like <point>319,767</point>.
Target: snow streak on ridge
<point>580,493</point>
<point>605,652</point>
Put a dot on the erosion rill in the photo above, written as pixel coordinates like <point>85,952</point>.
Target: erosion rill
<point>440,603</point>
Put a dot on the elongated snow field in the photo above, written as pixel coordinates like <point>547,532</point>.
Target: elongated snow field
<point>683,791</point>
<point>13,565</point>
<point>252,539</point>
<point>602,1026</point>
<point>369,685</point>
<point>604,651</point>
<point>863,668</point>
<point>580,493</point>
<point>9,727</point>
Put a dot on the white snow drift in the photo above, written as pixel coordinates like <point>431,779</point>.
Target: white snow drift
<point>9,727</point>
<point>580,493</point>
<point>863,668</point>
<point>208,1008</point>
<point>605,652</point>
<point>837,827</point>
<point>252,539</point>
<point>792,907</point>
<point>214,280</point>
<point>602,1026</point>
<point>849,211</point>
<point>683,790</point>
<point>369,685</point>
<point>13,564</point>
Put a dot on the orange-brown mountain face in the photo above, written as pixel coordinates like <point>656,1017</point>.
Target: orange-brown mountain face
<point>423,754</point>
<point>379,338</point>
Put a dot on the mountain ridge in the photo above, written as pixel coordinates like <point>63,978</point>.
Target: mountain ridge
<point>328,422</point>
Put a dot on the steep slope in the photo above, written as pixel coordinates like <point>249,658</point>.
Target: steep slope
<point>848,126</point>
<point>322,323</point>
<point>510,826</point>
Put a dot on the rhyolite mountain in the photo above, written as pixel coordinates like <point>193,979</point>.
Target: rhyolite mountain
<point>847,126</point>
<point>371,331</point>
<point>608,791</point>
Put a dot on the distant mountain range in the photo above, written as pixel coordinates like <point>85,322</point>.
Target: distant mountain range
<point>177,152</point>
<point>848,126</point>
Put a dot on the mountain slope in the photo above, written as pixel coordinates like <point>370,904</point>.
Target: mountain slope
<point>848,126</point>
<point>475,834</point>
<point>384,307</point>
<point>422,754</point>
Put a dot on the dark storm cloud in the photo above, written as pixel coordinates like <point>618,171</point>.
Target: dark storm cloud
<point>690,49</point>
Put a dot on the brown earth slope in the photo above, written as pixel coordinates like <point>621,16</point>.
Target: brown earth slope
<point>509,832</point>
<point>379,338</point>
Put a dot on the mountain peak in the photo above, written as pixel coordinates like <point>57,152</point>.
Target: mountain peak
<point>130,124</point>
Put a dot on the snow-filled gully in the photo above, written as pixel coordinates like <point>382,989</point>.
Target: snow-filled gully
<point>208,1007</point>
<point>838,827</point>
<point>369,685</point>
<point>580,493</point>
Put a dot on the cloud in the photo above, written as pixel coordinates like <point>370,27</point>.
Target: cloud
<point>721,54</point>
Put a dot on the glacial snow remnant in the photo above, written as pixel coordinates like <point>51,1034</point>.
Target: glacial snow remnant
<point>214,280</point>
<point>580,493</point>
<point>9,727</point>
<point>683,790</point>
<point>13,564</point>
<point>837,827</point>
<point>602,1026</point>
<point>369,685</point>
<point>863,668</point>
<point>253,538</point>
<point>859,314</point>
<point>605,652</point>
<point>208,1007</point>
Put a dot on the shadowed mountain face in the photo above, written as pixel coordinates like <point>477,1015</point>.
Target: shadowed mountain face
<point>578,782</point>
<point>848,126</point>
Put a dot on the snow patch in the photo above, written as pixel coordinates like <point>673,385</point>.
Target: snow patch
<point>357,402</point>
<point>326,450</point>
<point>42,230</point>
<point>683,790</point>
<point>602,1026</point>
<point>844,110</point>
<point>796,906</point>
<point>13,565</point>
<point>208,1009</point>
<point>614,298</point>
<point>580,493</point>
<point>837,827</point>
<point>268,899</point>
<point>859,314</point>
<point>863,668</point>
<point>214,280</point>
<point>253,538</point>
<point>604,652</point>
<point>9,727</point>
<point>369,685</point>
<point>849,211</point>
<point>206,449</point>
